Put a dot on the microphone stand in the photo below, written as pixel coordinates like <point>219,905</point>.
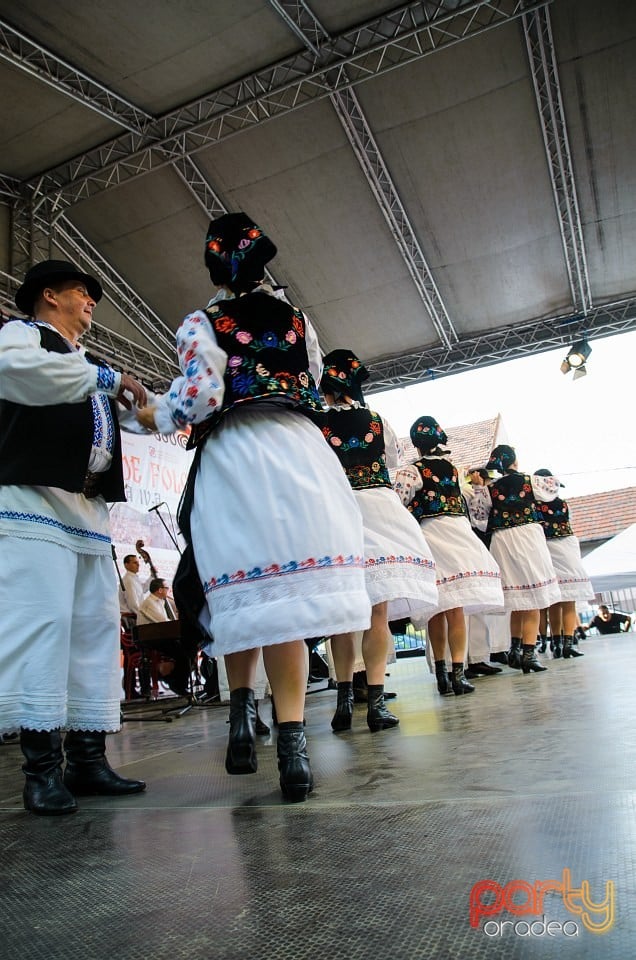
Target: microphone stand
<point>166,528</point>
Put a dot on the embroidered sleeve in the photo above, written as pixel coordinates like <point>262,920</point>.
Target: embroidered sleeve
<point>36,377</point>
<point>407,483</point>
<point>391,448</point>
<point>198,394</point>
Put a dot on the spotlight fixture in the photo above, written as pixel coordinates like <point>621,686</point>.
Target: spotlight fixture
<point>578,353</point>
<point>576,359</point>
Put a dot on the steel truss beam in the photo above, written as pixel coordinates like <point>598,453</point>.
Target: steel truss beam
<point>39,62</point>
<point>545,77</point>
<point>402,36</point>
<point>115,349</point>
<point>310,31</point>
<point>510,343</point>
<point>9,188</point>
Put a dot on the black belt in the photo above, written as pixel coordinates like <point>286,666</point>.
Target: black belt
<point>90,489</point>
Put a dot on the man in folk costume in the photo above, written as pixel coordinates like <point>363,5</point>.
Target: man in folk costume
<point>60,462</point>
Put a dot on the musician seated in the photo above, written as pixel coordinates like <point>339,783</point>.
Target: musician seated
<point>174,666</point>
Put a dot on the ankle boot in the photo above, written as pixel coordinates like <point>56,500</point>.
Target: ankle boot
<point>514,654</point>
<point>88,772</point>
<point>360,688</point>
<point>459,683</point>
<point>296,780</point>
<point>241,752</point>
<point>378,717</point>
<point>530,661</point>
<point>543,643</point>
<point>569,650</point>
<point>441,674</point>
<point>260,728</point>
<point>343,716</point>
<point>44,790</point>
<point>556,648</point>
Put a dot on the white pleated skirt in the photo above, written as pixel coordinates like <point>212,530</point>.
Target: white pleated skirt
<point>573,581</point>
<point>277,533</point>
<point>467,575</point>
<point>399,566</point>
<point>528,577</point>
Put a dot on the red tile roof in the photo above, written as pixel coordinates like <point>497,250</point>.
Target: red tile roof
<point>599,516</point>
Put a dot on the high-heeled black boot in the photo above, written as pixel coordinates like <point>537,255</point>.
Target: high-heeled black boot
<point>556,648</point>
<point>378,717</point>
<point>44,790</point>
<point>459,683</point>
<point>241,748</point>
<point>441,675</point>
<point>514,654</point>
<point>542,644</point>
<point>296,780</point>
<point>569,650</point>
<point>343,716</point>
<point>530,661</point>
<point>88,772</point>
<point>260,728</point>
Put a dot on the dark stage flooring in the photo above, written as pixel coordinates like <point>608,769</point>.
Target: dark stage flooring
<point>524,780</point>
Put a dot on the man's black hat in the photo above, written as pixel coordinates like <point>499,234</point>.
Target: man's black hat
<point>49,272</point>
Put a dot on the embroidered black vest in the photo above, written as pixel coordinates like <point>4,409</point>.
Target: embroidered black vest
<point>513,502</point>
<point>50,446</point>
<point>356,435</point>
<point>555,519</point>
<point>264,339</point>
<point>440,493</point>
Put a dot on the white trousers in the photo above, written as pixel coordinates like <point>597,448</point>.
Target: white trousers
<point>60,649</point>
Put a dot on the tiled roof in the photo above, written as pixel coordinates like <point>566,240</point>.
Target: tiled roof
<point>470,444</point>
<point>599,516</point>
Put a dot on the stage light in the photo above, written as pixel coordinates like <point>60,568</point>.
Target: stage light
<point>578,353</point>
<point>576,359</point>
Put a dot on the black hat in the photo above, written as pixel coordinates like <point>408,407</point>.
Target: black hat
<point>47,272</point>
<point>501,458</point>
<point>236,251</point>
<point>426,434</point>
<point>483,473</point>
<point>343,373</point>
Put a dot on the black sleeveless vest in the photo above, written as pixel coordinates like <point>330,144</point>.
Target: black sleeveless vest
<point>440,494</point>
<point>513,502</point>
<point>555,518</point>
<point>50,446</point>
<point>356,436</point>
<point>264,339</point>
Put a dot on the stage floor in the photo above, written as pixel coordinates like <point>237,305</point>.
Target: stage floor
<point>526,779</point>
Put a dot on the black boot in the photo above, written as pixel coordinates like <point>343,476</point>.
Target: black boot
<point>88,772</point>
<point>296,780</point>
<point>44,791</point>
<point>542,645</point>
<point>500,657</point>
<point>343,716</point>
<point>530,661</point>
<point>360,688</point>
<point>459,683</point>
<point>378,717</point>
<point>261,729</point>
<point>569,650</point>
<point>514,654</point>
<point>241,752</point>
<point>556,648</point>
<point>442,676</point>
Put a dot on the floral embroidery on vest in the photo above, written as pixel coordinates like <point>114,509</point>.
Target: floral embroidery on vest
<point>356,436</point>
<point>555,519</point>
<point>440,493</point>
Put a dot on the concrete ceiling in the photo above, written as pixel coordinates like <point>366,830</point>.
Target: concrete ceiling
<point>449,183</point>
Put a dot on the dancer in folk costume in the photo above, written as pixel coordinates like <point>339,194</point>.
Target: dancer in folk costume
<point>574,582</point>
<point>275,531</point>
<point>519,547</point>
<point>399,567</point>
<point>468,578</point>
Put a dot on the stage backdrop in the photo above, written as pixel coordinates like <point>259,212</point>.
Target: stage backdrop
<point>155,471</point>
